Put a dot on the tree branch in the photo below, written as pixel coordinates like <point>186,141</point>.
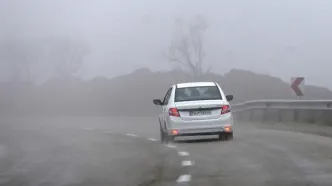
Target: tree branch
<point>188,44</point>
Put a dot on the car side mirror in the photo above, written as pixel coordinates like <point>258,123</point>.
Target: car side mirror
<point>229,97</point>
<point>157,102</point>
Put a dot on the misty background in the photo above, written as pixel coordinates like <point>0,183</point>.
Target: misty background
<point>281,38</point>
<point>77,80</point>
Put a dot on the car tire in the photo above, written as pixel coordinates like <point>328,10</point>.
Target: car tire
<point>162,136</point>
<point>230,136</point>
<point>170,139</point>
<point>222,137</point>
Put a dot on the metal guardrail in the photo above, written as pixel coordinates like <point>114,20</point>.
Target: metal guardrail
<point>283,104</point>
<point>310,111</point>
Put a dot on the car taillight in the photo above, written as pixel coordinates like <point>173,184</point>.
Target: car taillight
<point>174,112</point>
<point>228,128</point>
<point>225,109</point>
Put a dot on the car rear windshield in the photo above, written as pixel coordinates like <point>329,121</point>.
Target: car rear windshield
<point>197,93</point>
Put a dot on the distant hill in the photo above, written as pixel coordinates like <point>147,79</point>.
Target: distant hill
<point>132,94</point>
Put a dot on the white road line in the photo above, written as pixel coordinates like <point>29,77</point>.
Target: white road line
<point>133,135</point>
<point>109,132</point>
<point>151,139</point>
<point>184,178</point>
<point>183,153</point>
<point>170,146</point>
<point>186,163</point>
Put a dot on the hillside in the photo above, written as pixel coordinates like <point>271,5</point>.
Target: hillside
<point>132,94</point>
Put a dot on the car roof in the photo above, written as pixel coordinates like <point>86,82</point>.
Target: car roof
<point>195,84</point>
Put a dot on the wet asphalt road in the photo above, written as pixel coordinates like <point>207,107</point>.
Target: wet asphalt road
<point>51,152</point>
<point>79,151</point>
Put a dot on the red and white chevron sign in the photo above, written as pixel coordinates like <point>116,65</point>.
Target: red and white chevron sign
<point>296,84</point>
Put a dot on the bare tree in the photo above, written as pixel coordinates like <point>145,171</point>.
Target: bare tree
<point>67,55</point>
<point>187,47</point>
<point>19,57</point>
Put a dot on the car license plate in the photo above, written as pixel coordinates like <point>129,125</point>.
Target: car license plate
<point>200,113</point>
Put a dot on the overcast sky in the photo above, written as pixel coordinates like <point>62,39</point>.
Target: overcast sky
<point>282,38</point>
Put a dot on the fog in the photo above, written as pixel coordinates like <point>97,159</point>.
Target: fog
<point>78,79</point>
<point>282,38</point>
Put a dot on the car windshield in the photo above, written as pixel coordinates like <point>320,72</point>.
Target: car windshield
<point>197,93</point>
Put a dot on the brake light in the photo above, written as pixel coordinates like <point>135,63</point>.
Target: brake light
<point>175,132</point>
<point>174,112</point>
<point>225,109</point>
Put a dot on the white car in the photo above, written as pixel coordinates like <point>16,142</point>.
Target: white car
<point>197,108</point>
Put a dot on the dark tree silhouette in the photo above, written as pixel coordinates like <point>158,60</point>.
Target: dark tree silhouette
<point>67,55</point>
<point>187,48</point>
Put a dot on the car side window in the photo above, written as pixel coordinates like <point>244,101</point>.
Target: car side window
<point>168,95</point>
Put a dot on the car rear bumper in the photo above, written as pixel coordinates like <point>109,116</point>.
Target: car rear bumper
<point>177,127</point>
<point>200,133</point>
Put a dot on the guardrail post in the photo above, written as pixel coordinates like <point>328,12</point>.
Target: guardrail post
<point>312,115</point>
<point>326,117</point>
<point>296,115</point>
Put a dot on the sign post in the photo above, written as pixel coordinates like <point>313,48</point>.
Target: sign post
<point>296,84</point>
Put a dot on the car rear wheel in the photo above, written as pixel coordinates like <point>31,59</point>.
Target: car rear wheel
<point>230,136</point>
<point>170,138</point>
<point>226,137</point>
<point>162,135</point>
<point>222,137</point>
<point>165,138</point>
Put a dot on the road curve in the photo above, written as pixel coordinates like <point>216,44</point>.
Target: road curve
<point>257,156</point>
<point>47,152</point>
<point>263,157</point>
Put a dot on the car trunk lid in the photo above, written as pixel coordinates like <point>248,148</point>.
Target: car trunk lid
<point>199,110</point>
